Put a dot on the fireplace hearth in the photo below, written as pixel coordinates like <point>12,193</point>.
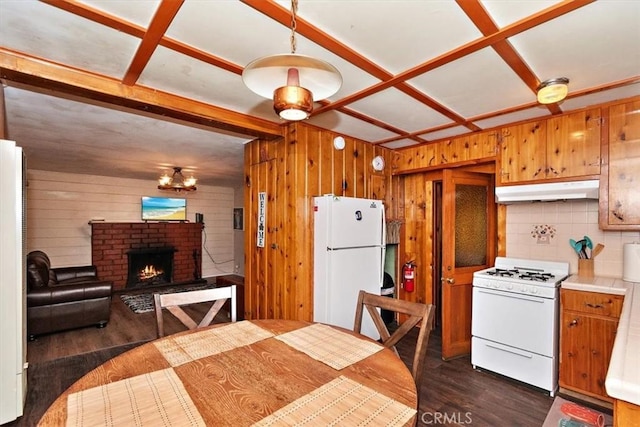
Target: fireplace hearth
<point>150,266</point>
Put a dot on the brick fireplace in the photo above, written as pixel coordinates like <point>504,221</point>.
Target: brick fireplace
<point>113,242</point>
<point>150,266</point>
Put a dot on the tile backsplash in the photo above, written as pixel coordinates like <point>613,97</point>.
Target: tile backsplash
<point>542,231</point>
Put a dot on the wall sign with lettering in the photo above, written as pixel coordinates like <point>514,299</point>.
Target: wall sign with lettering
<point>262,218</point>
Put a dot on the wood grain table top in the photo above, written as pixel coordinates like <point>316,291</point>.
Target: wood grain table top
<point>259,372</point>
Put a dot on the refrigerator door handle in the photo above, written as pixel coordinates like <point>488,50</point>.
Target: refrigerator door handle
<point>383,240</point>
<point>345,248</point>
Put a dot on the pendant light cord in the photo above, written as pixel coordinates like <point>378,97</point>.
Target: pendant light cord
<point>294,12</point>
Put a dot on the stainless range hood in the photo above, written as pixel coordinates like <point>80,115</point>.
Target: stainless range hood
<point>548,192</point>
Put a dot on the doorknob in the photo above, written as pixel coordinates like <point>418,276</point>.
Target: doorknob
<point>449,280</point>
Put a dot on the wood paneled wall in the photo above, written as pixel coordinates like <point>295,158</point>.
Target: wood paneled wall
<point>416,238</point>
<point>463,150</point>
<point>417,168</point>
<point>60,206</point>
<point>291,171</point>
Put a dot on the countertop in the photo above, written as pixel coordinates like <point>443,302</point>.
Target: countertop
<point>623,377</point>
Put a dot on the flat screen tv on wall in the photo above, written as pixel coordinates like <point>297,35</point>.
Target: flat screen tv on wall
<point>164,209</point>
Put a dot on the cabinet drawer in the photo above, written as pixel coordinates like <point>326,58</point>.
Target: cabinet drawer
<point>591,302</point>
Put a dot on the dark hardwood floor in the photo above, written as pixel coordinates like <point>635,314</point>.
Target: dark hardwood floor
<point>452,392</point>
<point>124,327</point>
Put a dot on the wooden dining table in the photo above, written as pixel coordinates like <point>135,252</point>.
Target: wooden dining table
<point>248,373</point>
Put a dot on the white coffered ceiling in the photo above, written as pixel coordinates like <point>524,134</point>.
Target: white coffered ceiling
<point>413,71</point>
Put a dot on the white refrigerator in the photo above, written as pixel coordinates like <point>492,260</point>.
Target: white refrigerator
<point>13,356</point>
<point>349,252</point>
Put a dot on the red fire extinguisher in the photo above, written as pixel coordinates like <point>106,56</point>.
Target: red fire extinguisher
<point>409,276</point>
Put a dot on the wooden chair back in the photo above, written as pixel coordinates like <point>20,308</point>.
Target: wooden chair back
<point>173,301</point>
<point>419,314</point>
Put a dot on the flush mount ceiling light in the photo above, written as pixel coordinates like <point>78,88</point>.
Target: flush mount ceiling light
<point>176,182</point>
<point>553,90</point>
<point>293,81</point>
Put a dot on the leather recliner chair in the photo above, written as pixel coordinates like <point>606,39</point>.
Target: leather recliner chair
<point>64,298</point>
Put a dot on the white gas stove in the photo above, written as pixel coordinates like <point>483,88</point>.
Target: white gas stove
<point>514,322</point>
<point>523,276</point>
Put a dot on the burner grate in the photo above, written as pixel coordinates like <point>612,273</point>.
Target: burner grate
<point>503,272</point>
<point>536,277</point>
<point>521,273</point>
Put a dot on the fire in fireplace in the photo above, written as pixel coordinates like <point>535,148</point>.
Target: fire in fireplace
<point>150,266</point>
<point>149,272</point>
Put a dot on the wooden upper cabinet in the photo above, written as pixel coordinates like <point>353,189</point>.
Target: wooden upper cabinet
<point>566,146</point>
<point>574,144</point>
<point>524,152</point>
<point>619,200</point>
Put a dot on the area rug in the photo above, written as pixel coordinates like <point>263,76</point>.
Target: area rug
<point>143,303</point>
<point>565,413</point>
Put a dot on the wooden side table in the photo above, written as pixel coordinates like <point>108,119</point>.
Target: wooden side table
<point>234,279</point>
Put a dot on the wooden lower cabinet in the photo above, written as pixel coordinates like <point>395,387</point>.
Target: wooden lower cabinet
<point>588,328</point>
<point>625,414</point>
<point>585,358</point>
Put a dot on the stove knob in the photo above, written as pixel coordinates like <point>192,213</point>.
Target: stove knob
<point>509,286</point>
<point>525,289</point>
<point>534,290</point>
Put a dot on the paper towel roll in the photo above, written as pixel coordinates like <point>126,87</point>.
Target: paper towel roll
<point>631,262</point>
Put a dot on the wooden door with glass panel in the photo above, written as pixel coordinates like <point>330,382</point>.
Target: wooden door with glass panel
<point>468,245</point>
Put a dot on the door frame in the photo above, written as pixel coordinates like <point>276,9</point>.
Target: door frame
<point>438,199</point>
<point>418,239</point>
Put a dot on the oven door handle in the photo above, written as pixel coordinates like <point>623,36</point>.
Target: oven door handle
<point>528,356</point>
<point>539,300</point>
